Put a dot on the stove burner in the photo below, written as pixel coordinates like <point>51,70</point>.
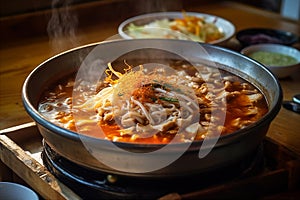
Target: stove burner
<point>91,184</point>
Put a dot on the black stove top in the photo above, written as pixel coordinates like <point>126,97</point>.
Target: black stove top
<point>91,184</point>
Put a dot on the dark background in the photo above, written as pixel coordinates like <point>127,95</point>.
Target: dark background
<point>15,7</point>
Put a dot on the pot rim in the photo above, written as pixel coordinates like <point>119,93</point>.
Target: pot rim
<point>233,137</point>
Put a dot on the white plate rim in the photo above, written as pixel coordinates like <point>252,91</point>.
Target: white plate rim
<point>210,18</point>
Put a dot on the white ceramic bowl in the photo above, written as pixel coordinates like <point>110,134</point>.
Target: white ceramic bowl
<point>281,71</point>
<point>14,191</point>
<point>223,25</point>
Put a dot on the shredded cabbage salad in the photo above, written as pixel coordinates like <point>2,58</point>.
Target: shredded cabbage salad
<point>189,27</point>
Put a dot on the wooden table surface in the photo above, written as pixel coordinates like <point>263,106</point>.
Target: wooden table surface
<point>24,45</point>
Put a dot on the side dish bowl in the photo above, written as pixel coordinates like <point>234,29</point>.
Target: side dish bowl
<point>228,149</point>
<point>13,191</point>
<point>224,26</point>
<point>253,36</point>
<point>280,59</point>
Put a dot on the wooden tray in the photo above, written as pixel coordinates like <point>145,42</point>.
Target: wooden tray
<point>20,151</point>
<point>21,147</point>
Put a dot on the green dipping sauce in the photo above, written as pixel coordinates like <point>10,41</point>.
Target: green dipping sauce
<point>273,58</point>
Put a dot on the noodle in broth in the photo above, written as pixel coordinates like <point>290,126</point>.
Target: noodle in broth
<point>155,107</point>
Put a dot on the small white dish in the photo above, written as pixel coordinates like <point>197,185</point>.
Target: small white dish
<point>14,191</point>
<point>223,25</point>
<point>270,50</point>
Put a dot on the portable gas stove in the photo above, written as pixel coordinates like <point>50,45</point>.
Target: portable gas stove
<point>272,172</point>
<point>89,183</point>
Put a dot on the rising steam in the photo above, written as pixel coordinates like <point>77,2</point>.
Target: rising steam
<point>62,26</point>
